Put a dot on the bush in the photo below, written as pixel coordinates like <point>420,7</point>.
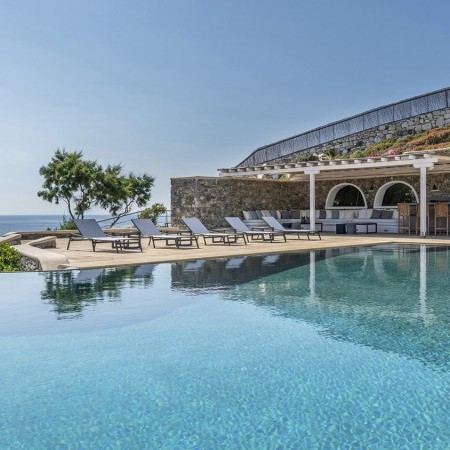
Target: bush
<point>157,209</point>
<point>67,224</point>
<point>9,259</point>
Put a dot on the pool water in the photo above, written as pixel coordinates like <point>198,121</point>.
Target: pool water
<point>329,349</point>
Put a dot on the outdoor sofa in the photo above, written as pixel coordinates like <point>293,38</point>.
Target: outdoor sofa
<point>386,219</point>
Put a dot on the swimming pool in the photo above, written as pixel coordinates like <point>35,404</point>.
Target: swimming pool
<point>324,349</point>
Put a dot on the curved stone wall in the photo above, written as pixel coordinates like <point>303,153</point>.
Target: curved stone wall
<point>395,120</point>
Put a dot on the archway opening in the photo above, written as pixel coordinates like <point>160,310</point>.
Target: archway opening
<point>389,195</point>
<point>348,196</point>
<point>398,193</point>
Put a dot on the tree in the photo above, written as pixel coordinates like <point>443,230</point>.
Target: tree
<point>70,179</point>
<point>83,184</point>
<point>120,194</point>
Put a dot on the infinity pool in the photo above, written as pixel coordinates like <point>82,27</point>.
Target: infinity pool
<point>329,349</point>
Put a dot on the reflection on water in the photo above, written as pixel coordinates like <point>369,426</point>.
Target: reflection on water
<point>391,298</point>
<point>71,291</point>
<point>394,299</point>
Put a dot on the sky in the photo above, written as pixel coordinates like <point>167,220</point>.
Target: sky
<point>183,87</point>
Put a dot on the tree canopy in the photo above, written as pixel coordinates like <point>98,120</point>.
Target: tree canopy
<point>82,184</point>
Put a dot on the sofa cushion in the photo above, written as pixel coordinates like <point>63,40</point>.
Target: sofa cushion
<point>285,214</point>
<point>275,213</point>
<point>387,215</point>
<point>247,215</point>
<point>376,214</point>
<point>296,214</point>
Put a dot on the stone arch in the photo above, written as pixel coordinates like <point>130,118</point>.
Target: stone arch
<point>331,197</point>
<point>379,197</point>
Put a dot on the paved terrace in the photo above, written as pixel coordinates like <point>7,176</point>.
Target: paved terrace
<point>81,255</point>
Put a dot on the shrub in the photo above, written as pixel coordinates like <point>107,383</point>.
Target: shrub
<point>9,259</point>
<point>157,209</point>
<point>67,224</point>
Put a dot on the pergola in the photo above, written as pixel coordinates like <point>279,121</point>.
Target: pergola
<point>413,163</point>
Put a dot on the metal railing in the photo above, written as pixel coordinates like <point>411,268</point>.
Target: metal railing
<point>164,220</point>
<point>432,101</point>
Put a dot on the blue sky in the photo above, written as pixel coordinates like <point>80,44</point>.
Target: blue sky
<point>181,88</point>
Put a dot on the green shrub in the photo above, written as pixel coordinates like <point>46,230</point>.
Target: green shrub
<point>9,259</point>
<point>67,224</point>
<point>157,209</point>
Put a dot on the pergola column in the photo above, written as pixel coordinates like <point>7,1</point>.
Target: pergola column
<point>312,172</point>
<point>423,166</point>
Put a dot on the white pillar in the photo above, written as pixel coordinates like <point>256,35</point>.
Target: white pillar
<point>423,201</point>
<point>312,197</point>
<point>423,166</point>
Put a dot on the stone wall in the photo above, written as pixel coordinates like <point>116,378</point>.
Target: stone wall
<point>363,139</point>
<point>212,198</point>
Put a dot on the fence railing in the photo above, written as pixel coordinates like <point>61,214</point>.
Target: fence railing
<point>164,220</point>
<point>432,101</point>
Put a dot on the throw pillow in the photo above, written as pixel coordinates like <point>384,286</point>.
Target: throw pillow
<point>295,214</point>
<point>334,214</point>
<point>285,215</point>
<point>376,214</point>
<point>387,214</point>
<point>247,215</point>
<point>322,214</point>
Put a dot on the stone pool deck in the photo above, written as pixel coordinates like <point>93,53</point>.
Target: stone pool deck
<point>81,255</point>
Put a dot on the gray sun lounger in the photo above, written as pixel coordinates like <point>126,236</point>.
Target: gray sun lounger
<point>147,228</point>
<point>90,231</point>
<point>240,227</point>
<point>197,228</point>
<point>277,226</point>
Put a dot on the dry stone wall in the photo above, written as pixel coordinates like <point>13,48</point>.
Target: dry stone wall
<point>213,198</point>
<point>361,140</point>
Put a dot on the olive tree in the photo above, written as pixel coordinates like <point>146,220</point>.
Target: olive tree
<point>82,184</point>
<point>122,193</point>
<point>71,180</point>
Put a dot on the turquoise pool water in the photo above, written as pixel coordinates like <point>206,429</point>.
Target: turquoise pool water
<point>329,349</point>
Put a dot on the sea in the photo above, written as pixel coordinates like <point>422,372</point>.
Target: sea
<point>53,222</point>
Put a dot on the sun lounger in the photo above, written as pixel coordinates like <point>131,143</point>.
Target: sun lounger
<point>90,230</point>
<point>277,226</point>
<point>197,228</point>
<point>240,227</point>
<point>147,228</point>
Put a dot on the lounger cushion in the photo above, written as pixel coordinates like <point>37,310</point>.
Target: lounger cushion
<point>285,215</point>
<point>247,215</point>
<point>376,214</point>
<point>322,214</point>
<point>335,214</point>
<point>387,214</point>
<point>295,214</point>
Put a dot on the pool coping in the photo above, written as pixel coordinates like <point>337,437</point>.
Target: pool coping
<point>81,256</point>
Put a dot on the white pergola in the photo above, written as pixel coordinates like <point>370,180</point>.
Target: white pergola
<point>413,163</point>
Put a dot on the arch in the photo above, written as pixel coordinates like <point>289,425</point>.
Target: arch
<point>379,197</point>
<point>331,197</point>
